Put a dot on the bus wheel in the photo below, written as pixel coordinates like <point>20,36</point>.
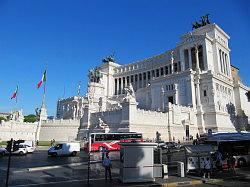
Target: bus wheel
<point>73,153</point>
<point>241,162</point>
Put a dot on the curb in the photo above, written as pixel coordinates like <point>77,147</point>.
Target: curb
<point>183,183</point>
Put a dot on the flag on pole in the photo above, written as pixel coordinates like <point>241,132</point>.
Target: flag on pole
<point>42,80</point>
<point>14,95</point>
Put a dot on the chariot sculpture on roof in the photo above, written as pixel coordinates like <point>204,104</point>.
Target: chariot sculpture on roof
<point>110,58</point>
<point>204,21</point>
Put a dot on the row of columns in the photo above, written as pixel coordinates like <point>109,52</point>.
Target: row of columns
<point>143,78</point>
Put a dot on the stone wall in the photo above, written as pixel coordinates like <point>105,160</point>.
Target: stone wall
<point>60,130</point>
<point>17,130</point>
<point>172,124</point>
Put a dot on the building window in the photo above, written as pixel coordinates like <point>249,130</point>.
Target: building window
<point>157,73</point>
<point>193,57</point>
<point>120,86</point>
<point>170,69</point>
<point>132,79</point>
<point>171,99</point>
<point>149,75</point>
<point>200,55</point>
<point>153,73</point>
<point>186,58</point>
<point>162,71</point>
<point>123,84</point>
<point>166,70</point>
<point>128,81</point>
<point>175,67</point>
<point>144,79</point>
<point>226,62</point>
<point>115,86</point>
<point>205,93</point>
<point>179,66</point>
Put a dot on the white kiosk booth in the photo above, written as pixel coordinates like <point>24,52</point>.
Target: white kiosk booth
<point>137,162</point>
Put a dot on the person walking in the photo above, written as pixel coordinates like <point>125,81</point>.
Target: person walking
<point>207,168</point>
<point>218,160</point>
<point>104,152</point>
<point>231,164</point>
<point>107,165</point>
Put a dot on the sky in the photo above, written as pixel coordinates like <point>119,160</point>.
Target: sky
<point>71,37</point>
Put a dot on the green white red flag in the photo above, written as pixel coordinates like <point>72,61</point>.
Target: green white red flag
<point>14,95</point>
<point>39,84</point>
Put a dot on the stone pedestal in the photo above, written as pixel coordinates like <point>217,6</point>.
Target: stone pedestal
<point>43,113</point>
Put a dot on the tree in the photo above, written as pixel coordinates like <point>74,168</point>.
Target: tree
<point>2,118</point>
<point>31,118</point>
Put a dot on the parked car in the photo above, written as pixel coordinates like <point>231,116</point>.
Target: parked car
<point>3,151</point>
<point>22,150</point>
<point>60,149</point>
<point>30,149</point>
<point>170,145</point>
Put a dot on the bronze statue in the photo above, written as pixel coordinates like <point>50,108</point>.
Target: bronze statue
<point>204,21</point>
<point>110,58</point>
<point>95,75</point>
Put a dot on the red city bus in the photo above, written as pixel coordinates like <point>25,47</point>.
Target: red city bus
<point>111,141</point>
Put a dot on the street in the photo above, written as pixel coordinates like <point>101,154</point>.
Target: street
<point>38,169</point>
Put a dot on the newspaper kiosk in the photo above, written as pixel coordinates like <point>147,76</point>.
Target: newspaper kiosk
<point>137,162</point>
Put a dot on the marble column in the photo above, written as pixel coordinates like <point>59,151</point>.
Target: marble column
<point>172,61</point>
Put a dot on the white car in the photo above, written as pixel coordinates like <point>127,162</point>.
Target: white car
<point>71,148</point>
<point>29,148</point>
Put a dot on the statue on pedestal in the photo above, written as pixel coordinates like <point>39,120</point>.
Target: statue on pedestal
<point>102,125</point>
<point>130,94</point>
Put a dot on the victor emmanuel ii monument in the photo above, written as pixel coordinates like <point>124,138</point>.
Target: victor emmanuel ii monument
<point>181,92</point>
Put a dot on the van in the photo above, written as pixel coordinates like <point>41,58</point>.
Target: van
<point>60,149</point>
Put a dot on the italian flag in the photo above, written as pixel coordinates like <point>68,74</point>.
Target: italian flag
<point>15,93</point>
<point>42,80</point>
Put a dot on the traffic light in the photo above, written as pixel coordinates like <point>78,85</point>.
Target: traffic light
<point>9,145</point>
<point>15,146</point>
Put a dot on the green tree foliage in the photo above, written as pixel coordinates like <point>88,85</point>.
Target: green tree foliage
<point>31,118</point>
<point>2,118</point>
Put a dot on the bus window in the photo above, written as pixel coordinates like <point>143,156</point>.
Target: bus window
<point>92,138</point>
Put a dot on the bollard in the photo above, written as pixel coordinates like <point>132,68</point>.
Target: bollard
<point>164,171</point>
<point>181,169</point>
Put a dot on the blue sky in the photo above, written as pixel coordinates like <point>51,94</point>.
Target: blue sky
<point>73,36</point>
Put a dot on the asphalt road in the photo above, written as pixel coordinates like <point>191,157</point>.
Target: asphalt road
<point>40,158</point>
<point>40,168</point>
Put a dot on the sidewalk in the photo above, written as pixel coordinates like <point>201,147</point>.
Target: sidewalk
<point>171,182</point>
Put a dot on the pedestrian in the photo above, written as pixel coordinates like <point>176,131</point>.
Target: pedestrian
<point>51,142</point>
<point>107,165</point>
<point>218,160</point>
<point>103,152</point>
<point>207,168</point>
<point>37,142</point>
<point>179,142</point>
<point>173,139</point>
<point>231,164</point>
<point>197,136</point>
